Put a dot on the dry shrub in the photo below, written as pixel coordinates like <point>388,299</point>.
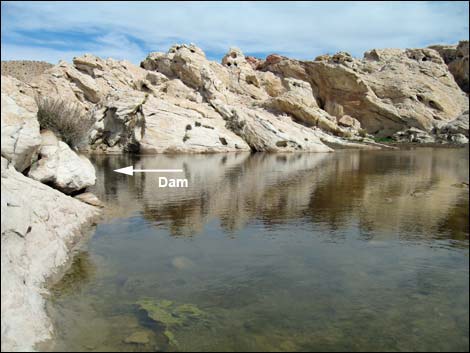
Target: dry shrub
<point>66,119</point>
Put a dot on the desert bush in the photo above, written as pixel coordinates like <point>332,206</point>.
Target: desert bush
<point>67,120</point>
<point>362,132</point>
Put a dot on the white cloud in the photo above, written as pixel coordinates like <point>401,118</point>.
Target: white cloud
<point>302,30</point>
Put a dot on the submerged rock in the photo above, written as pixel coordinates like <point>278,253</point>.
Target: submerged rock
<point>182,263</point>
<point>139,337</point>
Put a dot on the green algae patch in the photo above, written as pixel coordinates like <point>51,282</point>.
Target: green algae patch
<point>171,338</point>
<point>171,315</point>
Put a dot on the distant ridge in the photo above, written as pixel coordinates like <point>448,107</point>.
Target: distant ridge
<point>24,70</point>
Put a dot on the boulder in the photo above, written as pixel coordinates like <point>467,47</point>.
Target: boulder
<point>456,126</point>
<point>350,122</point>
<point>61,167</point>
<point>235,59</point>
<point>19,124</point>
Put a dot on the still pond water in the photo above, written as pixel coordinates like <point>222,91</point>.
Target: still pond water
<point>350,251</point>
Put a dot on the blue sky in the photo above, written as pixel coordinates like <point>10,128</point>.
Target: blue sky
<point>129,30</point>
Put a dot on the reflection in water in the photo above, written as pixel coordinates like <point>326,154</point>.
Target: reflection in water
<point>405,192</point>
<point>354,251</point>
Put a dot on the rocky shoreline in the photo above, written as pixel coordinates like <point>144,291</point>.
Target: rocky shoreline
<point>180,102</point>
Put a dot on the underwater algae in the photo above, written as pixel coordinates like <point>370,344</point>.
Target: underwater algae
<point>170,315</point>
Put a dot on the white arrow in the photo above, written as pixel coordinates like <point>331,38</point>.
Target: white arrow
<point>130,170</point>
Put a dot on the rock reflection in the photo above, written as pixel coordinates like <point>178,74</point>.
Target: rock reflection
<point>386,194</point>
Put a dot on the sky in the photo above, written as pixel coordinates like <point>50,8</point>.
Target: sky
<point>52,31</point>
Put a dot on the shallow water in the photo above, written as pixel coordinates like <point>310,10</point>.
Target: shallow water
<point>351,251</point>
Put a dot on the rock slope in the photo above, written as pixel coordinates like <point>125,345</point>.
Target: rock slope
<point>39,224</point>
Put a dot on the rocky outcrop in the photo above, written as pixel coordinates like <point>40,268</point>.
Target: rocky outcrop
<point>236,92</point>
<point>179,101</point>
<point>456,58</point>
<point>20,128</point>
<point>39,226</point>
<point>61,167</point>
<point>387,91</point>
<point>136,121</point>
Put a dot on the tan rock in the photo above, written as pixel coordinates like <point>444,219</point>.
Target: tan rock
<point>350,122</point>
<point>235,59</point>
<point>386,91</point>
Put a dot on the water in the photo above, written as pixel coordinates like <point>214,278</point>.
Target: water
<point>359,251</point>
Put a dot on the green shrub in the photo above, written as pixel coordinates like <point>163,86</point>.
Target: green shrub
<point>387,139</point>
<point>66,119</point>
